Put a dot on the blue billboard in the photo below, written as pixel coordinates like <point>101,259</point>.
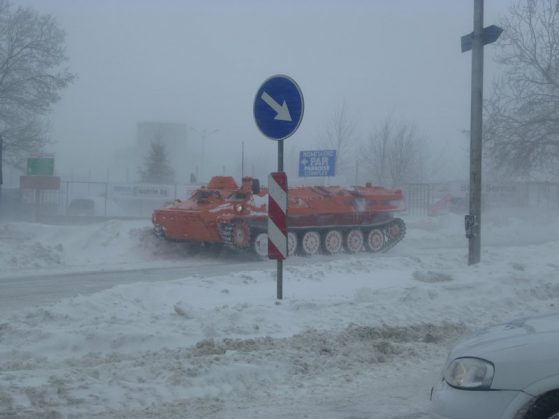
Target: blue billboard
<point>317,163</point>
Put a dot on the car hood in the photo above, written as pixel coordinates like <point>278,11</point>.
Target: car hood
<point>522,350</point>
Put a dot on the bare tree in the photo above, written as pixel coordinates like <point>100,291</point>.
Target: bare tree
<point>31,78</point>
<point>340,135</point>
<point>522,116</point>
<point>156,167</point>
<point>393,154</point>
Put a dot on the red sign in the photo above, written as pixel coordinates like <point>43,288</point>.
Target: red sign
<point>277,216</point>
<point>39,182</point>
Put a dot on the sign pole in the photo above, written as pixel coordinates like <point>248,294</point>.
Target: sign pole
<point>280,156</point>
<point>278,111</point>
<point>279,262</point>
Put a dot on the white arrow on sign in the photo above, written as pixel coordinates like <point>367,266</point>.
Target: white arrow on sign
<point>281,110</point>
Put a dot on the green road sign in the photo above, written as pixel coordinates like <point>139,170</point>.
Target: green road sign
<point>40,166</point>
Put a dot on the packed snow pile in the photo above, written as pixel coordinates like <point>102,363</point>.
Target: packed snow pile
<point>356,336</point>
<point>26,247</point>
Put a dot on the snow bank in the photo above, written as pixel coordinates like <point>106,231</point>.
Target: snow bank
<point>115,244</point>
<point>355,336</point>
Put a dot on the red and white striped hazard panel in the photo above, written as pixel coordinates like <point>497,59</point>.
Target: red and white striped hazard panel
<point>277,215</point>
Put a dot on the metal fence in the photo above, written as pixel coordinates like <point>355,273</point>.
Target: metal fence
<point>105,199</point>
<point>436,198</point>
<point>91,199</point>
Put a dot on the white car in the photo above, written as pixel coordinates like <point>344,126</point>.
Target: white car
<point>510,371</point>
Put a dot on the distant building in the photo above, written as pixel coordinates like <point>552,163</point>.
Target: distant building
<point>175,139</point>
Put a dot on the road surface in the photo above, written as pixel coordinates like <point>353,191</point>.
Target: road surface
<point>19,292</point>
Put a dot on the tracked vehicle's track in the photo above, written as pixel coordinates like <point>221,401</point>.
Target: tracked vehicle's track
<point>226,233</point>
<point>393,231</point>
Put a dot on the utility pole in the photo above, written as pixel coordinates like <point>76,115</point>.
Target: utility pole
<point>1,169</point>
<point>242,160</point>
<point>475,42</point>
<point>474,244</point>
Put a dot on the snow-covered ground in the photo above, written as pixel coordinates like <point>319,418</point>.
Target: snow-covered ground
<point>356,336</point>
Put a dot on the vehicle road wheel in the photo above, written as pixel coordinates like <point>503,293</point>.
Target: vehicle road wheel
<point>546,407</point>
<point>375,240</point>
<point>291,243</point>
<point>260,245</point>
<point>240,235</point>
<point>310,243</point>
<point>333,242</point>
<point>354,241</point>
<point>394,230</point>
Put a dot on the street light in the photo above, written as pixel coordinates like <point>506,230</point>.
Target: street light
<point>203,135</point>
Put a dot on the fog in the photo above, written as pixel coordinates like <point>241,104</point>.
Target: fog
<point>200,63</point>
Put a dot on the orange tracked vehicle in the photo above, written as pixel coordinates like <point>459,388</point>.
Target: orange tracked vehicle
<point>328,219</point>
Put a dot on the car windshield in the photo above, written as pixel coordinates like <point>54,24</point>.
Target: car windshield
<point>202,195</point>
<point>237,196</point>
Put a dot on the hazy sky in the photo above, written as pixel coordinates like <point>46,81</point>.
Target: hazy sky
<point>201,63</point>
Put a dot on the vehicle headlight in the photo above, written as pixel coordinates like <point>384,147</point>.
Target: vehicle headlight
<point>239,208</point>
<point>470,373</point>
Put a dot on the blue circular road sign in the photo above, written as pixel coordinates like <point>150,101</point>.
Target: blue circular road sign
<point>278,107</point>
